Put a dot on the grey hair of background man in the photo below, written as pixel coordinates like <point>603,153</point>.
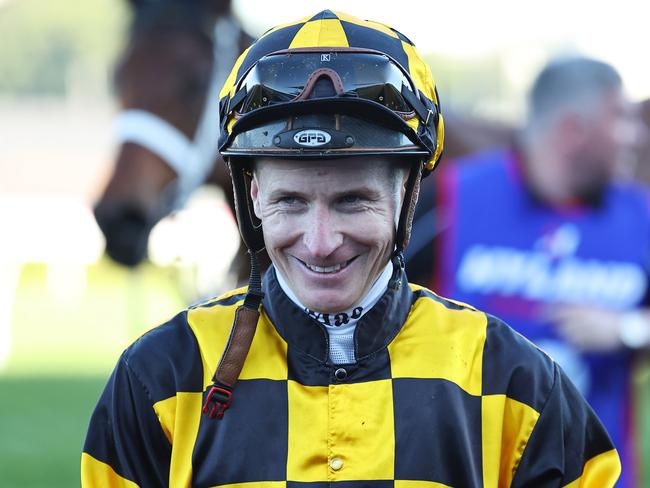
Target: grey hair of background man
<point>568,85</point>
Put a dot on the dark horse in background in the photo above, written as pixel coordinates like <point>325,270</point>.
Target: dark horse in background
<point>178,54</point>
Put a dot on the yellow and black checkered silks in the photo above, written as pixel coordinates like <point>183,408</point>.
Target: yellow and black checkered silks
<point>441,395</point>
<point>329,29</point>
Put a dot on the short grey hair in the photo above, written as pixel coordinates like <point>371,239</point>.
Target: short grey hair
<point>569,84</point>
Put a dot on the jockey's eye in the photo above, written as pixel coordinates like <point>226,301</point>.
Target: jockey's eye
<point>288,200</point>
<point>351,199</point>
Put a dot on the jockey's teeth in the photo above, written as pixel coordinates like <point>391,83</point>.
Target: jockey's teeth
<point>327,269</point>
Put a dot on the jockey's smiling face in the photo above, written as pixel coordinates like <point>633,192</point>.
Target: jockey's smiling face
<point>329,226</point>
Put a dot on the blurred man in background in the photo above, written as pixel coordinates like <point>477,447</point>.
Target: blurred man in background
<point>547,238</point>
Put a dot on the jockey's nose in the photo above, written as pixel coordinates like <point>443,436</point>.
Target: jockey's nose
<point>321,236</point>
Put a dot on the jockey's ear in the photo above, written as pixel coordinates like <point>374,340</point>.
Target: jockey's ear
<point>255,195</point>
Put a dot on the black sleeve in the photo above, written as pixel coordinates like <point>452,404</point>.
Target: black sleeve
<point>568,444</point>
<point>125,441</point>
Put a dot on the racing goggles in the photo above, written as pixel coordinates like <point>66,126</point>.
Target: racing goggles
<point>301,74</point>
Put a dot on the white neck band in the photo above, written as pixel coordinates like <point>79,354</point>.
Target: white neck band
<point>345,319</point>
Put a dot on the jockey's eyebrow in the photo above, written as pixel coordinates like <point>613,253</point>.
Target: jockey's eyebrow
<point>363,190</point>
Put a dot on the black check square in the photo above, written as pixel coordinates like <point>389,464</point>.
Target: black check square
<point>224,451</point>
<point>437,432</point>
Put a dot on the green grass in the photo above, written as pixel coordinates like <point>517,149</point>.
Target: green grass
<point>69,327</point>
<point>43,423</point>
<point>77,321</point>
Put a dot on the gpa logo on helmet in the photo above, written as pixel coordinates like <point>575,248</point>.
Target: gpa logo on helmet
<point>312,138</point>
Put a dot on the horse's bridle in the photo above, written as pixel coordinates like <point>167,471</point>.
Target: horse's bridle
<point>191,159</point>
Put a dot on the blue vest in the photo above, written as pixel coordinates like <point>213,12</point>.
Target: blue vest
<point>506,253</point>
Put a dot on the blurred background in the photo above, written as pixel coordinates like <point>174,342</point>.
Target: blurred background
<point>66,310</point>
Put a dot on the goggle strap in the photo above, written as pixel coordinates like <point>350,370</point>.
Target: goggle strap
<point>314,77</point>
<point>237,99</point>
<point>422,110</point>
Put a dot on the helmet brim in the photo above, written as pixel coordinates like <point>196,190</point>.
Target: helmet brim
<point>372,128</point>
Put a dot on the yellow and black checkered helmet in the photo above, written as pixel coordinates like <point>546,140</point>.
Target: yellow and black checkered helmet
<point>331,85</point>
<point>326,86</point>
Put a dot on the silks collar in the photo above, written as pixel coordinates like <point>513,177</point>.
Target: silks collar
<point>374,331</point>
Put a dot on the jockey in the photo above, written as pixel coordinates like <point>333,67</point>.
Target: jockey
<point>333,368</point>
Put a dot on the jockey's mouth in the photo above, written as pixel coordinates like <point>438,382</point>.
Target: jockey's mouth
<point>327,269</point>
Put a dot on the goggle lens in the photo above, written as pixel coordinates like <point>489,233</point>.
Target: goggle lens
<point>279,78</point>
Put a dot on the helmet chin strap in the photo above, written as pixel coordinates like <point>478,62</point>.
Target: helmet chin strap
<point>247,315</point>
<point>411,193</point>
<point>403,233</point>
<point>239,342</point>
